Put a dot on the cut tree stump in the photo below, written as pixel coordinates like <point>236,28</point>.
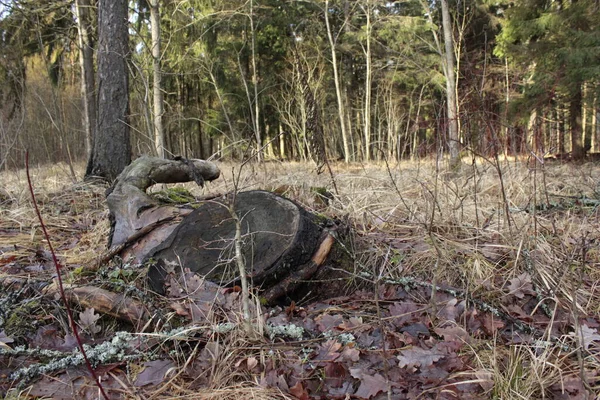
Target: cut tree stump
<point>277,236</point>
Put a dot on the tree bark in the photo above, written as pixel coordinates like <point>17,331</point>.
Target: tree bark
<point>159,133</point>
<point>453,139</point>
<point>368,84</point>
<point>86,62</point>
<point>257,132</point>
<point>595,124</point>
<point>112,148</point>
<point>577,150</point>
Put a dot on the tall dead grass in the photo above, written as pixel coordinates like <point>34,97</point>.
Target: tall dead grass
<point>459,229</point>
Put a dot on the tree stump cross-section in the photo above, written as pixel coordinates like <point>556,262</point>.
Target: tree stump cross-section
<point>277,235</point>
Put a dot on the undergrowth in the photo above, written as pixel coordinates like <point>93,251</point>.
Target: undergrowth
<point>508,281</point>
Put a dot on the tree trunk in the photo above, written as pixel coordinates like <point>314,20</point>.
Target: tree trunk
<point>257,133</point>
<point>577,150</point>
<point>132,210</point>
<point>112,147</point>
<point>86,61</point>
<point>338,90</point>
<point>159,133</point>
<point>595,124</point>
<point>368,84</point>
<point>453,139</point>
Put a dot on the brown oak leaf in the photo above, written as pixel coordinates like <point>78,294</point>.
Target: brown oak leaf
<point>299,392</point>
<point>418,357</point>
<point>521,285</point>
<point>326,322</point>
<point>154,372</point>
<point>88,319</point>
<point>370,386</point>
<point>328,351</point>
<point>588,336</point>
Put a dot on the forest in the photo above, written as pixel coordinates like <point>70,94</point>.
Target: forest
<point>313,199</point>
<point>391,80</point>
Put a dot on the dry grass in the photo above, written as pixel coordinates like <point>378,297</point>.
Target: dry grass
<point>454,229</point>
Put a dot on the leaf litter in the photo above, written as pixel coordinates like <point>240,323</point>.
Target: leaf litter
<point>395,338</point>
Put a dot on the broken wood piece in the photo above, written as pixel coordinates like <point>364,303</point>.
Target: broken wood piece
<point>104,302</point>
<point>130,241</point>
<point>304,273</point>
<point>132,209</point>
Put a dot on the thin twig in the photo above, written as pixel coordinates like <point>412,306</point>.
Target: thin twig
<point>60,284</point>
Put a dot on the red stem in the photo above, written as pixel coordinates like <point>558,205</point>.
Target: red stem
<point>60,284</point>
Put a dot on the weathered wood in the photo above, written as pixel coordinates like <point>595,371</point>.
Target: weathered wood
<point>104,302</point>
<point>278,236</point>
<point>132,209</point>
<point>305,272</point>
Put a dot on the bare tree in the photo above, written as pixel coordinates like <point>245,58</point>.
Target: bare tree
<point>448,68</point>
<point>368,80</point>
<point>257,133</point>
<point>450,74</point>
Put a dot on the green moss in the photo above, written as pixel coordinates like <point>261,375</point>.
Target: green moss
<point>320,190</point>
<point>320,219</point>
<point>174,195</point>
<point>19,321</point>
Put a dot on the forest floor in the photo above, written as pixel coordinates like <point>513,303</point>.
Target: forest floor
<point>479,284</point>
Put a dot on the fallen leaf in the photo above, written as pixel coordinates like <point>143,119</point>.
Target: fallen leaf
<point>299,392</point>
<point>418,357</point>
<point>454,333</point>
<point>588,336</point>
<point>88,319</point>
<point>75,384</point>
<point>350,354</point>
<point>328,351</point>
<point>485,379</point>
<point>334,374</point>
<point>5,339</point>
<point>452,310</point>
<point>521,285</point>
<point>416,330</point>
<point>491,323</point>
<point>282,383</point>
<point>370,385</point>
<point>153,373</point>
<point>352,323</point>
<point>404,312</point>
<point>326,322</point>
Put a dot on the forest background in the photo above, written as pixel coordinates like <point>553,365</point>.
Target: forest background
<point>230,78</point>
